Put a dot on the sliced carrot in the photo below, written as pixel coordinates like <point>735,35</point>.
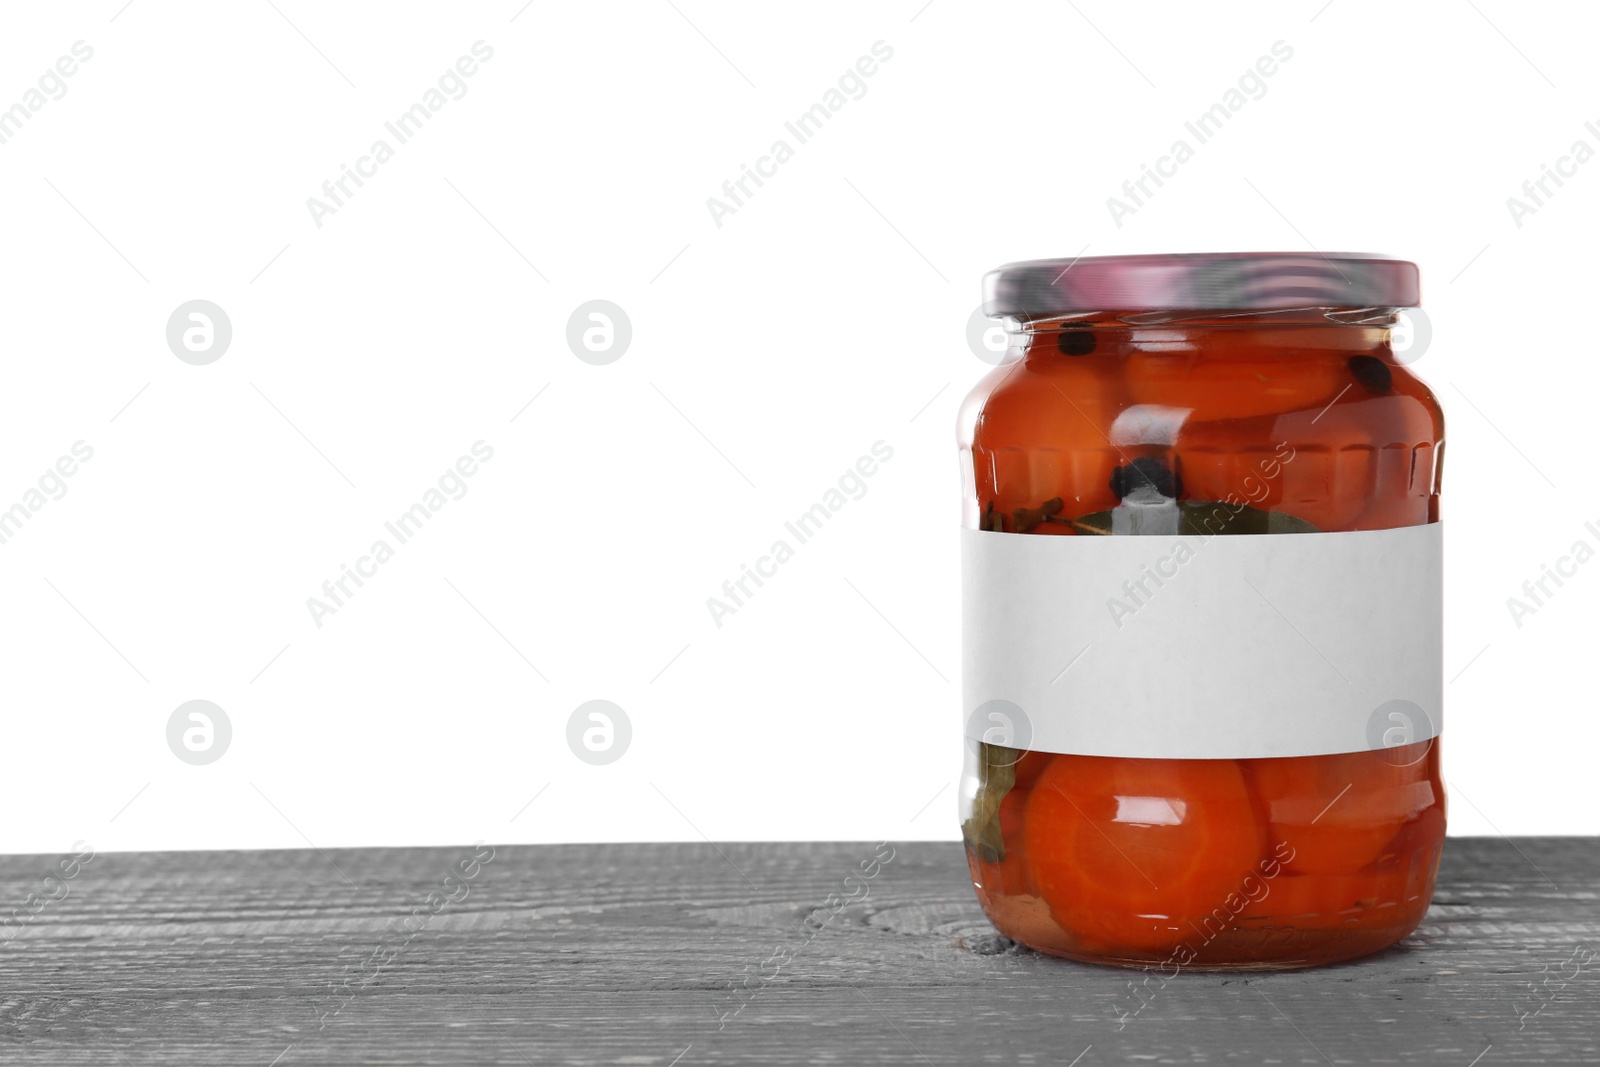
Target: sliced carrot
<point>1216,387</point>
<point>1042,434</point>
<point>1416,847</point>
<point>1134,854</point>
<point>1338,812</point>
<point>1306,901</point>
<point>1028,770</point>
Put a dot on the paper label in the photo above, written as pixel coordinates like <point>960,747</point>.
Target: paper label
<point>1203,647</point>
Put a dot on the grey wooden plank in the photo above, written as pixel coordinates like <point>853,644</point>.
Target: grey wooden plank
<point>613,954</point>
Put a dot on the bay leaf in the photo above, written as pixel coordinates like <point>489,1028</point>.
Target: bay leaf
<point>997,773</point>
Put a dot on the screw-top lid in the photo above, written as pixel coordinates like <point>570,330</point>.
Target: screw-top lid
<point>1203,281</point>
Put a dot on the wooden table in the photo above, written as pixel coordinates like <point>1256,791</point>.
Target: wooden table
<point>693,954</point>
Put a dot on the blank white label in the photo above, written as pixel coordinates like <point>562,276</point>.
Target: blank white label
<point>1203,647</point>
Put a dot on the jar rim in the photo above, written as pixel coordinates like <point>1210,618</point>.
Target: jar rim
<point>1199,281</point>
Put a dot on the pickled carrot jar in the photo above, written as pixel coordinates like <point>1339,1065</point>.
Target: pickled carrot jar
<point>1202,612</point>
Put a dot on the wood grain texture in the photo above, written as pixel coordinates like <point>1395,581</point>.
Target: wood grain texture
<point>637,954</point>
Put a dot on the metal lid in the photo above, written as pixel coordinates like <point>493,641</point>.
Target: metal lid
<point>1231,281</point>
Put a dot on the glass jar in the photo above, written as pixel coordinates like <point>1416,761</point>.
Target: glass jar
<point>1188,749</point>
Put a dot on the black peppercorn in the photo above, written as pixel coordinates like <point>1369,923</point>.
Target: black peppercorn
<point>1373,373</point>
<point>1075,342</point>
<point>1146,470</point>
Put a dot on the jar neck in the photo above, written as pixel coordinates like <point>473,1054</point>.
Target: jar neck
<point>1214,334</point>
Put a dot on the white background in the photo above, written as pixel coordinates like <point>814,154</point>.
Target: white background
<point>769,353</point>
